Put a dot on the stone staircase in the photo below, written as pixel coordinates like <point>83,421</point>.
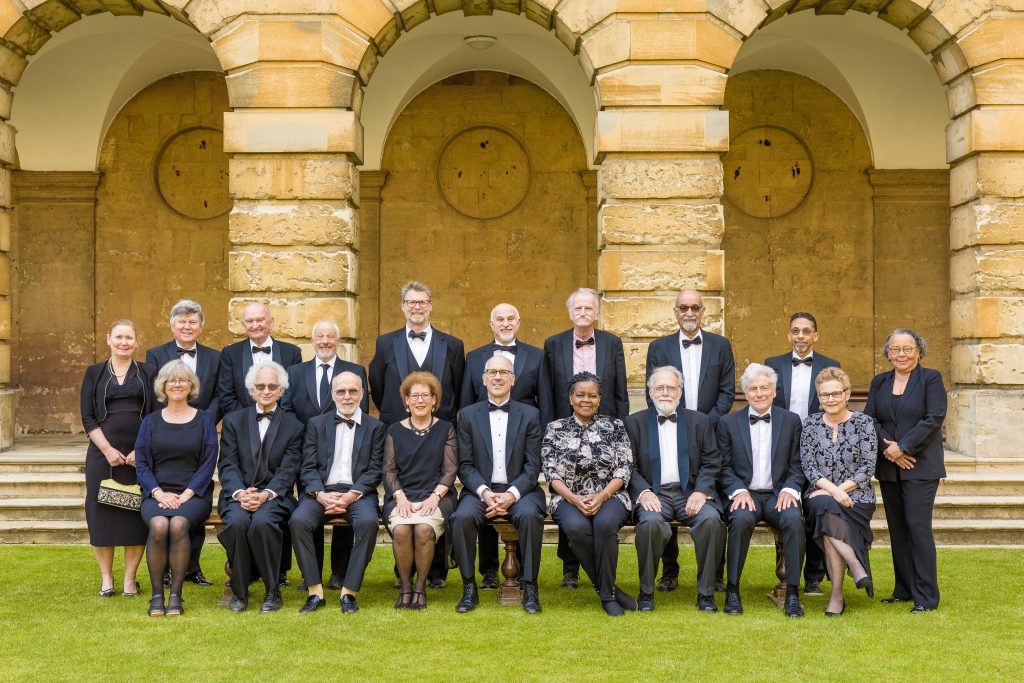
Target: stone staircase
<point>42,487</point>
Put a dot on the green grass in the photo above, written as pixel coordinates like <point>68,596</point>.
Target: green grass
<point>56,628</point>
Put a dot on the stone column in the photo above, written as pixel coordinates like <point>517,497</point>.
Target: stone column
<point>370,183</point>
<point>11,67</point>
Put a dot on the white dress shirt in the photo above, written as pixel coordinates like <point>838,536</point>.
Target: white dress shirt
<point>505,354</point>
<point>499,433</point>
<point>419,347</point>
<point>691,369</point>
<point>761,453</point>
<point>260,358</point>
<point>262,426</point>
<point>189,359</point>
<point>669,450</point>
<point>344,438</point>
<point>800,388</point>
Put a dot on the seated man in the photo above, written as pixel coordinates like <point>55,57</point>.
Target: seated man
<point>260,448</point>
<point>762,477</point>
<point>342,457</point>
<point>499,461</point>
<point>675,468</point>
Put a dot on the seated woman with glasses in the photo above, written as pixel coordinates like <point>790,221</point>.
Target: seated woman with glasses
<point>837,452</point>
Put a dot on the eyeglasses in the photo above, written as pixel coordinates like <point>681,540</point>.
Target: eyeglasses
<point>905,350</point>
<point>666,389</point>
<point>695,308</point>
<point>497,373</point>
<point>267,387</point>
<point>416,398</point>
<point>179,380</point>
<point>346,392</point>
<point>834,395</point>
<point>416,304</point>
<point>806,331</point>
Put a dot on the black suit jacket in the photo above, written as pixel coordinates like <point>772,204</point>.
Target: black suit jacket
<point>207,366</point>
<point>304,385</point>
<point>913,421</point>
<point>738,454</point>
<point>390,366</point>
<point>527,367</point>
<point>783,365</point>
<point>96,386</point>
<point>235,361</point>
<point>367,454</point>
<point>522,447</point>
<point>557,371</point>
<point>240,451</point>
<point>705,461</point>
<point>717,383</point>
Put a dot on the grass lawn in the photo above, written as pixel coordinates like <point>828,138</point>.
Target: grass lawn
<point>55,627</point>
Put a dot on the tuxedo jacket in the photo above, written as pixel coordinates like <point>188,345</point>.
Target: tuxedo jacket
<point>241,451</point>
<point>783,365</point>
<point>695,431</point>
<point>557,371</point>
<point>367,454</point>
<point>522,447</point>
<point>914,421</point>
<point>717,383</point>
<point>738,454</point>
<point>527,367</point>
<point>207,365</point>
<point>390,366</point>
<point>304,386</point>
<point>235,361</point>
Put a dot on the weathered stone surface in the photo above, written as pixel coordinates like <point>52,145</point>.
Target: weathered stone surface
<point>5,230</point>
<point>986,222</point>
<point>689,36</point>
<point>954,15</point>
<point>369,17</point>
<point>662,130</point>
<point>292,85</point>
<point>985,130</point>
<point>949,62</point>
<point>5,364</point>
<point>743,15</point>
<point>987,270</point>
<point>996,38</point>
<point>294,316</point>
<point>12,65</point>
<point>661,84</point>
<point>288,177</point>
<point>209,16</point>
<point>8,409</point>
<point>293,131</point>
<point>902,13</point>
<point>649,317</point>
<point>984,423</point>
<point>651,270</point>
<point>291,270</point>
<point>696,176</point>
<point>987,317</point>
<point>286,39</point>
<point>312,223</point>
<point>983,175</point>
<point>636,362</point>
<point>988,363</point>
<point>929,34</point>
<point>6,100</point>
<point>677,223</point>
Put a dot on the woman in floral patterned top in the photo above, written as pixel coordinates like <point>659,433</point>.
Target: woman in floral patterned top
<point>587,462</point>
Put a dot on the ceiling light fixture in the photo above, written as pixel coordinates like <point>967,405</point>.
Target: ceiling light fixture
<point>480,42</point>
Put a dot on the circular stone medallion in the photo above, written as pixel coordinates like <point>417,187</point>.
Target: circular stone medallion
<point>768,172</point>
<point>483,172</point>
<point>191,174</point>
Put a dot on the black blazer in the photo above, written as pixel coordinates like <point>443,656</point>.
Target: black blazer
<point>783,365</point>
<point>557,371</point>
<point>705,461</point>
<point>235,361</point>
<point>304,385</point>
<point>527,367</point>
<point>367,454</point>
<point>717,384</point>
<point>207,365</point>
<point>240,452</point>
<point>390,366</point>
<point>913,421</point>
<point>738,453</point>
<point>95,386</point>
<point>522,447</point>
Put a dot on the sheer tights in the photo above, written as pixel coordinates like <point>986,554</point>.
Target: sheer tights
<point>168,543</point>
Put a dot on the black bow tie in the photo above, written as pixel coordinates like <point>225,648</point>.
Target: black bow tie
<point>670,418</point>
<point>802,361</point>
<point>687,343</point>
<point>265,416</point>
<point>182,352</point>
<point>585,342</point>
<point>418,335</point>
<point>506,349</point>
<point>767,417</point>
<point>339,419</point>
<point>504,406</point>
<point>261,349</point>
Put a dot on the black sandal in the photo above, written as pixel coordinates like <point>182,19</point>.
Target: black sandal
<point>156,606</point>
<point>416,604</point>
<point>106,592</point>
<point>174,608</point>
<point>402,603</point>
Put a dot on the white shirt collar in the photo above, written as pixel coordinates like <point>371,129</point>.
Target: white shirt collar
<point>357,416</point>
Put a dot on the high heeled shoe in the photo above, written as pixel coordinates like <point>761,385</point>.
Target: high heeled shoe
<point>419,601</point>
<point>868,587</point>
<point>836,614</point>
<point>106,592</point>
<point>156,606</point>
<point>404,600</point>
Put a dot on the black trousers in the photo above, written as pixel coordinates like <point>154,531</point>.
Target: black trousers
<point>307,522</point>
<point>908,514</point>
<point>254,540</point>
<point>789,521</point>
<point>814,558</point>
<point>526,514</point>
<point>595,541</point>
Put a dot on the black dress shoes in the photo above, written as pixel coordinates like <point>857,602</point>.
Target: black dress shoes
<point>719,586</point>
<point>894,600</point>
<point>490,581</point>
<point>334,583</point>
<point>624,599</point>
<point>792,606</point>
<point>813,587</point>
<point>313,603</point>
<point>237,604</point>
<point>437,584</point>
<point>733,604</point>
<point>612,608</point>
<point>272,602</point>
<point>668,583</point>
<point>570,580</point>
<point>706,603</point>
<point>531,601</point>
<point>868,587</point>
<point>470,598</point>
<point>198,579</point>
<point>282,580</point>
<point>918,609</point>
<point>348,604</point>
<point>645,602</point>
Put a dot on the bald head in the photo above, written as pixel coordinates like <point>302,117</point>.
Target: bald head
<point>258,322</point>
<point>504,323</point>
<point>499,377</point>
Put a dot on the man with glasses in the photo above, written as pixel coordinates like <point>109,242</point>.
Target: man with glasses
<point>709,386</point>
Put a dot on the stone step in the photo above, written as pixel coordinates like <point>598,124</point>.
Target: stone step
<point>42,509</point>
<point>42,485</point>
<point>22,464</point>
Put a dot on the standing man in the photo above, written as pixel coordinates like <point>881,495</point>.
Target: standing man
<point>499,462</point>
<point>259,462</point>
<point>762,477</point>
<point>676,463</point>
<point>342,462</point>
<point>186,325</point>
<point>581,348</point>
<point>526,361</point>
<point>709,387</point>
<point>796,392</point>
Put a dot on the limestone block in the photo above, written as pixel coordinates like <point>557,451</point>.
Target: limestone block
<point>27,35</point>
<point>902,13</point>
<point>987,363</point>
<point>539,12</point>
<point>8,154</point>
<point>605,46</point>
<point>285,39</point>
<point>987,317</point>
<point>12,65</point>
<point>1000,84</point>
<point>294,317</point>
<point>984,423</point>
<point>929,34</point>
<point>661,84</point>
<point>987,270</point>
<point>5,318</point>
<point>949,62</point>
<point>649,270</point>
<point>8,410</point>
<point>995,39</point>
<point>53,15</point>
<point>5,230</point>
<point>985,175</point>
<point>954,15</point>
<point>9,16</point>
<point>209,16</point>
<point>636,363</point>
<point>293,270</point>
<point>688,224</point>
<point>742,15</point>
<point>263,177</point>
<point>985,130</point>
<point>660,177</point>
<point>6,100</point>
<point>686,37</point>
<point>293,85</point>
<point>580,15</point>
<point>662,130</point>
<point>985,222</point>
<point>413,12</point>
<point>293,131</point>
<point>313,223</point>
<point>370,17</point>
<point>650,316</point>
<point>5,363</point>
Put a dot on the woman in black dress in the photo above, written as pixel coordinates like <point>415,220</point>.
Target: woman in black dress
<point>837,453</point>
<point>421,459</point>
<point>116,394</point>
<point>176,452</point>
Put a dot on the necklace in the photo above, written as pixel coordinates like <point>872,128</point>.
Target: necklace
<point>421,431</point>
<point>114,372</point>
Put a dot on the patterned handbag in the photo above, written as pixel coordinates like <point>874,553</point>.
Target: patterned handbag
<point>118,495</point>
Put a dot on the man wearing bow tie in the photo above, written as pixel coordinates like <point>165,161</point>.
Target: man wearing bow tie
<point>676,464</point>
<point>762,477</point>
<point>342,461</point>
<point>796,392</point>
<point>499,462</point>
<point>259,462</point>
<point>583,347</point>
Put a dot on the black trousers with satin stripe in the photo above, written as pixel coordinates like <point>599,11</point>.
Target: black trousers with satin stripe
<point>741,527</point>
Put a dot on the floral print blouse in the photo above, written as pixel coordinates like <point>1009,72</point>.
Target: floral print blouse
<point>587,457</point>
<point>852,457</point>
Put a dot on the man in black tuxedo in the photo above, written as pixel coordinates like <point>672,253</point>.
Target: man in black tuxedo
<point>527,361</point>
<point>581,348</point>
<point>709,387</point>
<point>418,347</point>
<point>676,464</point>
<point>260,449</point>
<point>796,392</point>
<point>761,475</point>
<point>342,462</point>
<point>499,462</point>
<point>186,325</point>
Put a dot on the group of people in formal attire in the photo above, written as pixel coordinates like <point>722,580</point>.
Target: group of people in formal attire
<point>298,447</point>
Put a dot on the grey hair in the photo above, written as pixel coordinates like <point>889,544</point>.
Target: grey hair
<point>580,378</point>
<point>755,371</point>
<point>325,321</point>
<point>921,345</point>
<point>174,369</point>
<point>665,368</point>
<point>583,290</point>
<point>415,286</point>
<point>282,375</point>
<point>187,307</point>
